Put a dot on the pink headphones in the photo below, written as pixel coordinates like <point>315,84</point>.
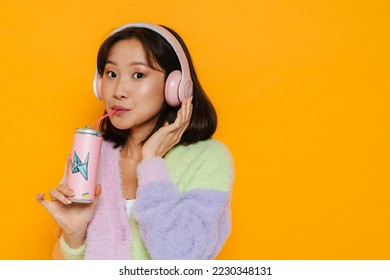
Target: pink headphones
<point>178,85</point>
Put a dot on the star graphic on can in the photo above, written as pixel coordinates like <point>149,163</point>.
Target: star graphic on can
<point>79,166</point>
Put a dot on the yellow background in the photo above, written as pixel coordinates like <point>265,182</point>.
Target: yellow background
<point>302,92</point>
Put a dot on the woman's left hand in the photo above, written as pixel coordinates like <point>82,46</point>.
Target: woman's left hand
<point>169,135</point>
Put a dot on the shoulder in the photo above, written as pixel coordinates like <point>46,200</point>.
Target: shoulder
<point>209,161</point>
<point>202,150</point>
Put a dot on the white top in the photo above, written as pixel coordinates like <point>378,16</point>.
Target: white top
<point>129,205</point>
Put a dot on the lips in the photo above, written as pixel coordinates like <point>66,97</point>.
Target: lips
<point>119,110</point>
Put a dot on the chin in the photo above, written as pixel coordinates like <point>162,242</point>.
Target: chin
<point>120,126</point>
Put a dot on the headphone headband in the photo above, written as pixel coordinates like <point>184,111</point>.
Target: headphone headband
<point>185,87</point>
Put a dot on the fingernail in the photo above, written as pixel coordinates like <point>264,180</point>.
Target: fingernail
<point>67,200</point>
<point>40,195</point>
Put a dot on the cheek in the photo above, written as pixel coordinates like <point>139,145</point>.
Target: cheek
<point>105,89</point>
<point>104,97</point>
<point>153,92</point>
<point>160,90</point>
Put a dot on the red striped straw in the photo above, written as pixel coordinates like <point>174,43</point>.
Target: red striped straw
<point>103,117</point>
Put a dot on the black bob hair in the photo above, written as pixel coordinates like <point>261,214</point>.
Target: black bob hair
<point>158,51</point>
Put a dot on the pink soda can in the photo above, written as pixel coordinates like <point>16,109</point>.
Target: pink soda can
<point>82,173</point>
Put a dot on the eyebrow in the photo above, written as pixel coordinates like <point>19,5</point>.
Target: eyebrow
<point>130,64</point>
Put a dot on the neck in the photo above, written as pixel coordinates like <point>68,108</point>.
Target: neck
<point>132,149</point>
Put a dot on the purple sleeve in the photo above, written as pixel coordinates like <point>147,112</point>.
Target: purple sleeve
<point>176,225</point>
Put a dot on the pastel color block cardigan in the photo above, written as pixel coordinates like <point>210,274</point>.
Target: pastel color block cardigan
<point>182,208</point>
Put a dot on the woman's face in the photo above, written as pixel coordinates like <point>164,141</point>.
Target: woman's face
<point>132,87</point>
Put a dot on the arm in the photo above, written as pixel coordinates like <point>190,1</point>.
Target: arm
<point>65,215</point>
<point>189,225</point>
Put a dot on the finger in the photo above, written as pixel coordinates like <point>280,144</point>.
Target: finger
<point>189,106</point>
<point>176,124</point>
<point>189,110</point>
<point>184,109</point>
<point>183,112</point>
<point>64,189</point>
<point>41,199</point>
<point>176,136</point>
<point>181,131</point>
<point>57,196</point>
<point>180,114</point>
<point>187,113</point>
<point>182,121</point>
<point>98,192</point>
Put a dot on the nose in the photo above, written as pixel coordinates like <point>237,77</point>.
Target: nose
<point>121,90</point>
<point>119,95</point>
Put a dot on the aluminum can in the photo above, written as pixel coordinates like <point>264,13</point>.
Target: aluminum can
<point>82,172</point>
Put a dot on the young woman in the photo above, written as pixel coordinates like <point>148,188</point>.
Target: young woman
<point>164,184</point>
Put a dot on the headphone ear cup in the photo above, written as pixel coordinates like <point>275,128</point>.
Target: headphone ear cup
<point>97,85</point>
<point>172,87</point>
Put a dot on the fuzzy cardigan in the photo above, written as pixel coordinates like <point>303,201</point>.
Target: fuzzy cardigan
<point>182,208</point>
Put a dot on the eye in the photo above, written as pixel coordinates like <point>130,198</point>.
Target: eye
<point>138,75</point>
<point>111,74</point>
